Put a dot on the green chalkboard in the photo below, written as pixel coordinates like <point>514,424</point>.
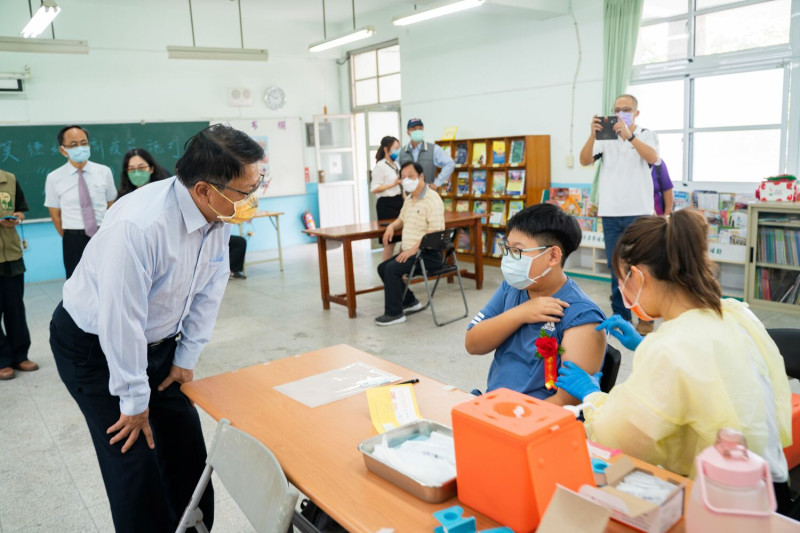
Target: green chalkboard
<point>31,152</point>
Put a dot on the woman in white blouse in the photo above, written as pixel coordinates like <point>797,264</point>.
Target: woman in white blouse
<point>386,186</point>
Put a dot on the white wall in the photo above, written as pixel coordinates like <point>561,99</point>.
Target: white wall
<point>128,77</point>
<point>494,75</point>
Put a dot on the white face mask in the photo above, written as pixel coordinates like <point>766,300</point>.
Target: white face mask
<point>410,185</point>
<point>515,271</point>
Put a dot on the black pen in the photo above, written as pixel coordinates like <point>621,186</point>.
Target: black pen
<point>408,382</point>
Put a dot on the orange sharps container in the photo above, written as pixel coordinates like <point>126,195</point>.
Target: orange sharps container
<point>511,451</point>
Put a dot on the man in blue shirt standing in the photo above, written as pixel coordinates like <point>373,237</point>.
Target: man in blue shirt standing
<point>135,316</point>
<point>428,155</point>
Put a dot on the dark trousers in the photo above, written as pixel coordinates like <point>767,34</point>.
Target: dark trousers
<point>237,246</point>
<point>613,228</point>
<point>15,340</point>
<point>392,272</point>
<point>72,245</point>
<point>147,489</point>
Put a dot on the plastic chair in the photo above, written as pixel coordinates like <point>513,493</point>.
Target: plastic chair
<point>253,477</point>
<point>442,241</point>
<point>788,341</point>
<point>610,369</point>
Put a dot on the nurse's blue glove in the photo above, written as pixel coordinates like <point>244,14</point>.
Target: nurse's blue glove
<point>575,381</point>
<point>622,330</point>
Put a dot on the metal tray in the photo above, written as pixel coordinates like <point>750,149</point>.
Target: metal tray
<point>428,493</point>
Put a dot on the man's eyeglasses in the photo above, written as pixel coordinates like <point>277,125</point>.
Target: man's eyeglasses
<point>516,253</point>
<point>243,193</point>
<point>76,144</point>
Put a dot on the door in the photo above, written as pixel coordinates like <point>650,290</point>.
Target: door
<point>334,141</point>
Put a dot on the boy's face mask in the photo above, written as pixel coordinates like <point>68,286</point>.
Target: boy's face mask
<point>243,210</point>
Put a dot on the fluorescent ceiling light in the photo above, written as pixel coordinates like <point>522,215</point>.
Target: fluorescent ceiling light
<point>357,35</point>
<point>438,10</point>
<point>228,54</point>
<point>41,19</point>
<point>46,46</point>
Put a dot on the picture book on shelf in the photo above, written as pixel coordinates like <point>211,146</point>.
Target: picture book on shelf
<point>681,200</point>
<point>516,182</point>
<point>462,206</point>
<point>517,152</point>
<point>498,152</point>
<point>514,207</point>
<point>497,214</point>
<point>448,204</point>
<point>463,183</point>
<point>447,187</point>
<point>498,183</point>
<point>478,154</point>
<point>484,242</point>
<point>461,154</point>
<point>479,206</point>
<point>464,244</point>
<point>587,223</point>
<point>499,236</point>
<point>478,182</point>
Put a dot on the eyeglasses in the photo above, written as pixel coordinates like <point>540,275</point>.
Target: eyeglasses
<point>623,110</point>
<point>76,144</point>
<point>245,194</point>
<point>140,167</point>
<point>516,253</point>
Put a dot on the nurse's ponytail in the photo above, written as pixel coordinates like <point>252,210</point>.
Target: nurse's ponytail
<point>676,251</point>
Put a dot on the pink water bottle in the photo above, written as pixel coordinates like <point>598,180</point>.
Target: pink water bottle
<point>732,490</point>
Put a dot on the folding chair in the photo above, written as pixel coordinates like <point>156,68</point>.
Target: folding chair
<point>611,363</point>
<point>444,242</point>
<point>788,341</point>
<point>253,477</point>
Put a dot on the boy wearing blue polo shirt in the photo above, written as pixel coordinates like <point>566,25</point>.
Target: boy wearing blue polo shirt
<point>538,300</point>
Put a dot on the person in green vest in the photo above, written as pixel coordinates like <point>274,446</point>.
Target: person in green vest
<point>427,154</point>
<point>15,340</point>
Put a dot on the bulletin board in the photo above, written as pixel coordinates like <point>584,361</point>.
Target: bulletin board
<point>284,163</point>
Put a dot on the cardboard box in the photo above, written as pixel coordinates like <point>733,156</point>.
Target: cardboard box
<point>635,512</point>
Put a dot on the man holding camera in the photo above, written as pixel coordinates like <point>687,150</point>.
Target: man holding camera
<point>625,186</point>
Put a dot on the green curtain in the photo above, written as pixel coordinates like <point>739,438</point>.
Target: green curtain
<point>621,19</point>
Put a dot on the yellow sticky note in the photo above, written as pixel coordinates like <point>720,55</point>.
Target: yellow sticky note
<point>392,406</point>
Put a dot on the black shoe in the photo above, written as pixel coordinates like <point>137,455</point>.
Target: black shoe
<point>238,275</point>
<point>413,307</point>
<point>386,320</point>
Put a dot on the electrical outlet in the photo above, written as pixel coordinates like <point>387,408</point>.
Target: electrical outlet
<point>570,161</point>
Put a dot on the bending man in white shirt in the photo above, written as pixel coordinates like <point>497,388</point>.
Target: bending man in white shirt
<point>136,315</point>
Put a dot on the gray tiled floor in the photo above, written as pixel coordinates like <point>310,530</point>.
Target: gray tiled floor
<point>49,479</point>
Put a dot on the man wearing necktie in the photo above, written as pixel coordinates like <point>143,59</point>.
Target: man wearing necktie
<point>135,316</point>
<point>77,194</point>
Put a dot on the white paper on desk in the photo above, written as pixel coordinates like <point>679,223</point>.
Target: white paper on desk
<point>333,385</point>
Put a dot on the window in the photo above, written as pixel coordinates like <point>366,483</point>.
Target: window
<point>376,75</point>
<point>712,79</point>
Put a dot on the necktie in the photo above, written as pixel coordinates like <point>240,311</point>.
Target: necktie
<point>87,211</point>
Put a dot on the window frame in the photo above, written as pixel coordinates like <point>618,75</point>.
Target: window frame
<point>750,60</point>
<point>392,105</point>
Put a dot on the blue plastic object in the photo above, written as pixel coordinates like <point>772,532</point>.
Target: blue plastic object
<point>453,521</point>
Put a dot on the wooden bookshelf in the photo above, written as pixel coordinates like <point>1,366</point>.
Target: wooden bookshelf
<point>534,163</point>
<point>772,269</point>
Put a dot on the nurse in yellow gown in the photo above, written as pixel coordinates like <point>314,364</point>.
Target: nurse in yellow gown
<point>710,365</point>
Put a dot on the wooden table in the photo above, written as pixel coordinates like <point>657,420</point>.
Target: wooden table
<point>276,223</point>
<point>317,448</point>
<point>355,232</point>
